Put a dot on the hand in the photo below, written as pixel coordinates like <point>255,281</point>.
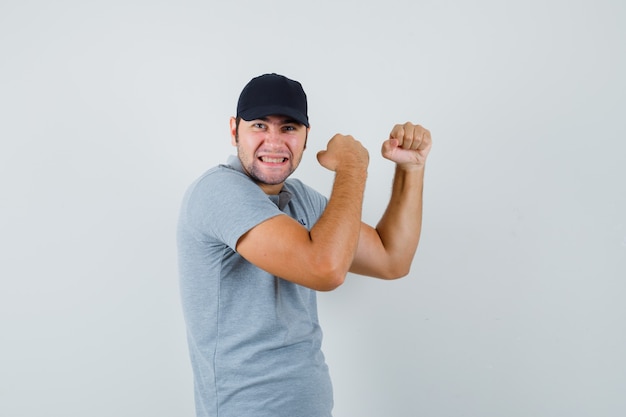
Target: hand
<point>343,152</point>
<point>408,145</point>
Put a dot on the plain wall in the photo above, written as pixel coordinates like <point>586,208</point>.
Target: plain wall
<point>515,302</point>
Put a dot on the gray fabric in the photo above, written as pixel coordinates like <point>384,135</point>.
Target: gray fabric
<point>254,339</point>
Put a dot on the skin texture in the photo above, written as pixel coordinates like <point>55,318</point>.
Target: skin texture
<point>271,149</point>
<point>388,250</point>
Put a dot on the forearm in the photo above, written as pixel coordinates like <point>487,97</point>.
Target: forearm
<point>400,226</point>
<point>335,235</point>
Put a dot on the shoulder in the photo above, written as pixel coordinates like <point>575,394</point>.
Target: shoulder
<point>222,204</point>
<point>220,175</point>
<point>221,186</point>
<point>221,182</point>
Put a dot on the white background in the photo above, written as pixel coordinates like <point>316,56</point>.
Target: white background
<point>515,303</point>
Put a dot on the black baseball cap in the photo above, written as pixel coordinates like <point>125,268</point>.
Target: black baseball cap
<point>273,94</point>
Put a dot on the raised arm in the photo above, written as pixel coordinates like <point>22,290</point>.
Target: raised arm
<point>319,258</point>
<point>387,251</point>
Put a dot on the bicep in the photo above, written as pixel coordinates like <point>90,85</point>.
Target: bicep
<point>371,258</point>
<point>283,247</point>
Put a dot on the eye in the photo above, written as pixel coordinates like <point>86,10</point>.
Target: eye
<point>289,128</point>
<point>259,125</point>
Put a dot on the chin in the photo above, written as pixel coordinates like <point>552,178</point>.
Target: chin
<point>268,179</point>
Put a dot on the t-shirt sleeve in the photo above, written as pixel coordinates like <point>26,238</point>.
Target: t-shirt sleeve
<point>223,205</point>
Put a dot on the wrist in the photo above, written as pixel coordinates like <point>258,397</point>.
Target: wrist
<point>355,168</point>
<point>409,167</point>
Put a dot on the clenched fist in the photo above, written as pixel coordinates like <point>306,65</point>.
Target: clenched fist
<point>343,152</point>
<point>408,145</point>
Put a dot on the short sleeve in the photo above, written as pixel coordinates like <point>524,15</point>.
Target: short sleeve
<point>223,205</point>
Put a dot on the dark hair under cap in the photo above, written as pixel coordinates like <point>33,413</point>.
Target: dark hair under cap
<point>273,94</point>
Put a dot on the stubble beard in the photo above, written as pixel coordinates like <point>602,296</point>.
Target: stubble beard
<point>250,165</point>
<point>259,175</point>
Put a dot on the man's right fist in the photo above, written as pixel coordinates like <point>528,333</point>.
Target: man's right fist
<point>343,151</point>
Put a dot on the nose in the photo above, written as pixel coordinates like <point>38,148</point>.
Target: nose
<point>273,137</point>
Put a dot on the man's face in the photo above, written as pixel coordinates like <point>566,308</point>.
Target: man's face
<point>269,149</point>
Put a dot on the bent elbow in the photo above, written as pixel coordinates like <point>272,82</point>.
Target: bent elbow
<point>396,272</point>
<point>331,280</point>
<point>330,276</point>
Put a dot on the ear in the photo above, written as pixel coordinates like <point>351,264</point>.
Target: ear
<point>233,131</point>
<point>306,138</point>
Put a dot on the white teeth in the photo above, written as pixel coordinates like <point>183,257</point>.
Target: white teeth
<point>272,160</point>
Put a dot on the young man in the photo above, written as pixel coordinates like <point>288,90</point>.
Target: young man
<point>256,245</point>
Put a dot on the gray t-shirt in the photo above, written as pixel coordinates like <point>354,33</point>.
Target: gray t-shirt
<point>254,339</point>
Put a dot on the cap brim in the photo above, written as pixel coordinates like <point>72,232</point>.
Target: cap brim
<point>264,111</point>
